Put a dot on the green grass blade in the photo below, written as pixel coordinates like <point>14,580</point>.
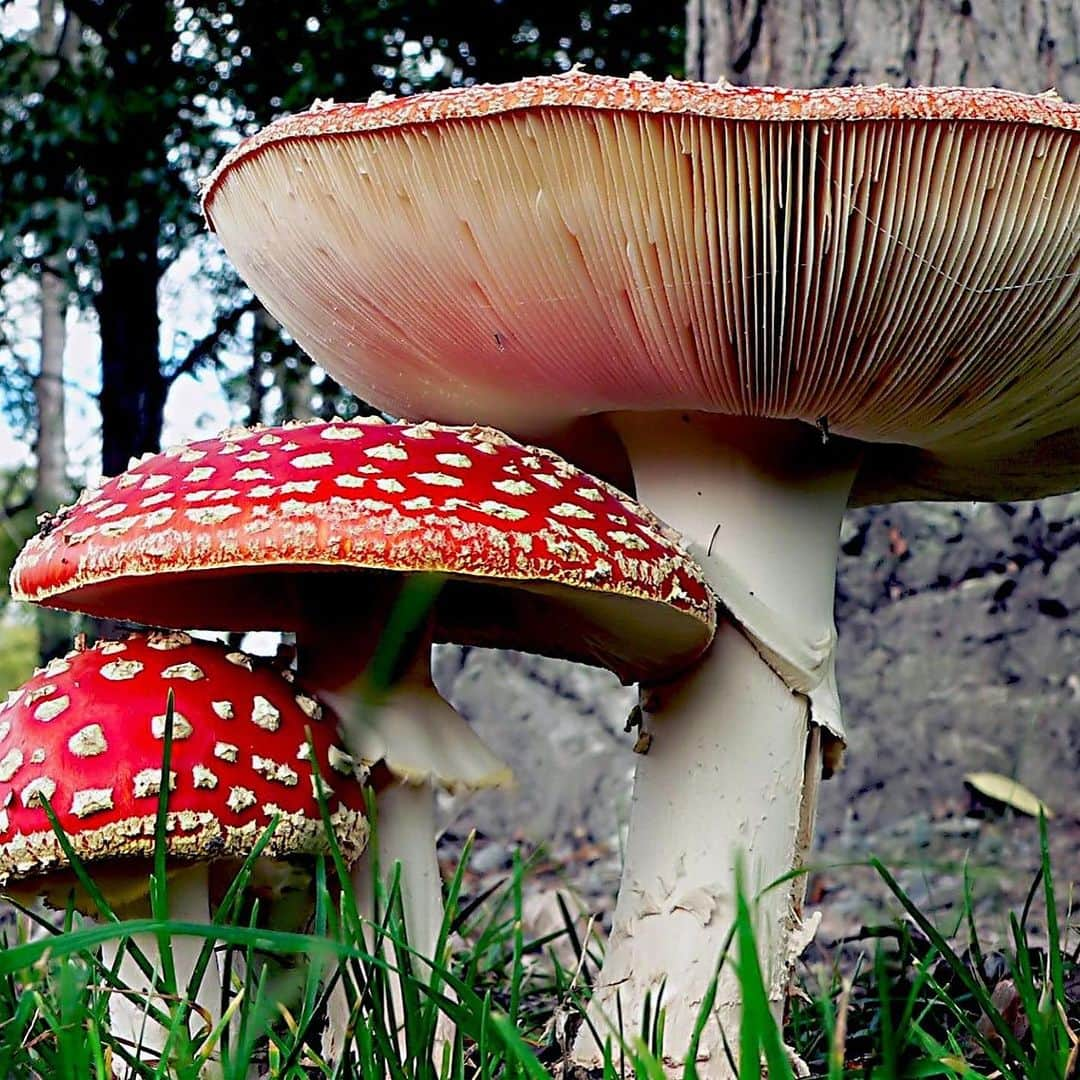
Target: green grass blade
<point>159,899</point>
<point>517,971</point>
<point>1053,928</point>
<point>959,968</point>
<point>758,1030</point>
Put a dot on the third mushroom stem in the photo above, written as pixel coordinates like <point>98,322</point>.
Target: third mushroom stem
<point>189,901</point>
<point>726,775</point>
<point>423,745</point>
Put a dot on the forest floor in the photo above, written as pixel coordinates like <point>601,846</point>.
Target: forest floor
<point>927,852</point>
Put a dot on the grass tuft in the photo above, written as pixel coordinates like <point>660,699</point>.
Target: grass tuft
<point>921,1001</point>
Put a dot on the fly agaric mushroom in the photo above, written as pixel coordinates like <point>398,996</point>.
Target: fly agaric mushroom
<point>86,733</point>
<point>783,301</point>
<point>309,527</point>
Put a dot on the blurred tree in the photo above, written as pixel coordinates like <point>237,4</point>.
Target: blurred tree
<point>52,486</point>
<point>100,167</point>
<point>1028,45</point>
<point>60,39</point>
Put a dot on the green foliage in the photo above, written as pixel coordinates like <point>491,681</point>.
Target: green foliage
<point>104,140</point>
<point>923,1007</point>
<point>930,1003</point>
<point>18,652</point>
<point>920,1008</point>
<point>17,360</point>
<point>19,637</point>
<point>150,85</point>
<point>26,635</point>
<point>17,525</point>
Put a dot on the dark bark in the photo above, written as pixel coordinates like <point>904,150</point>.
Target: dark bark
<point>263,332</point>
<point>1030,45</point>
<point>292,376</point>
<point>294,383</point>
<point>133,387</point>
<point>137,39</point>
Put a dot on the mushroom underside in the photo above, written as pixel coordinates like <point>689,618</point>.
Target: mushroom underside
<point>623,633</point>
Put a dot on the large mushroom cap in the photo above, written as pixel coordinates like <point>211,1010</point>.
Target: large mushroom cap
<point>87,733</point>
<point>260,528</point>
<point>900,266</point>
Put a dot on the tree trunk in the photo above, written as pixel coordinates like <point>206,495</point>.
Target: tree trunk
<point>133,387</point>
<point>294,383</point>
<point>1030,45</point>
<point>51,487</point>
<point>262,342</point>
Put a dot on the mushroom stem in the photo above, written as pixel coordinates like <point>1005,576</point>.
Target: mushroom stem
<point>188,902</point>
<point>424,744</point>
<point>405,831</point>
<point>404,834</point>
<point>725,774</point>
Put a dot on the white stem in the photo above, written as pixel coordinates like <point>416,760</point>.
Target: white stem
<point>188,902</point>
<point>406,837</point>
<point>406,830</point>
<point>425,745</point>
<point>726,773</point>
<point>420,737</point>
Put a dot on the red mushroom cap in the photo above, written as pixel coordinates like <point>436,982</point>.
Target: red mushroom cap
<point>240,531</point>
<point>898,264</point>
<point>87,732</point>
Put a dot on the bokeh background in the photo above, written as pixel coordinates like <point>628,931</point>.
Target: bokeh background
<point>122,327</point>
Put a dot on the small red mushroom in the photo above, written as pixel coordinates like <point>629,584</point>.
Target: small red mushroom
<point>288,528</point>
<point>311,527</point>
<point>87,733</point>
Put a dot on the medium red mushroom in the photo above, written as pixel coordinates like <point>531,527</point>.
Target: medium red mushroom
<point>782,301</point>
<point>86,733</point>
<point>297,528</point>
<point>311,528</point>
